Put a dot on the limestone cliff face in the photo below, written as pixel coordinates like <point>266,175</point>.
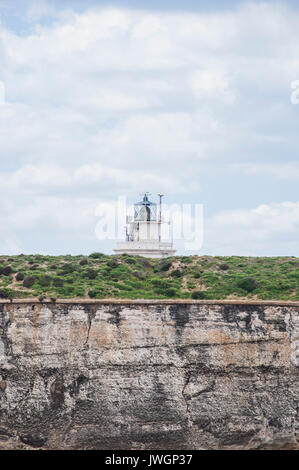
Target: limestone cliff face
<point>149,375</point>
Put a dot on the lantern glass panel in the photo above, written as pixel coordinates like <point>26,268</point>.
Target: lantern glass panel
<point>145,212</point>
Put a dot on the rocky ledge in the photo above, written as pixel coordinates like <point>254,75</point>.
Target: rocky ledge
<point>149,375</point>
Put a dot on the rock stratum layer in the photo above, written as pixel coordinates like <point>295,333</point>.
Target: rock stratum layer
<point>149,375</point>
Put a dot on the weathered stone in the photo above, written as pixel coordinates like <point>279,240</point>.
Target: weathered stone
<point>148,375</point>
<point>2,385</point>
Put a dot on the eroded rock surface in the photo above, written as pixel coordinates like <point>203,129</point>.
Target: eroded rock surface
<point>149,376</point>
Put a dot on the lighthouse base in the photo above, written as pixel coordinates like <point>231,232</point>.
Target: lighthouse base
<point>149,249</point>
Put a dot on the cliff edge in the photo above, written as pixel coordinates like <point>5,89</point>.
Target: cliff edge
<point>149,375</point>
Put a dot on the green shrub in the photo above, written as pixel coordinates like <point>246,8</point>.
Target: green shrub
<point>170,292</point>
<point>191,285</point>
<point>91,273</point>
<point>58,282</point>
<point>4,293</point>
<point>33,267</point>
<point>45,281</point>
<point>199,294</point>
<point>145,262</point>
<point>124,287</point>
<point>294,274</point>
<point>79,292</point>
<point>69,268</point>
<point>157,282</point>
<point>29,281</point>
<point>176,273</point>
<point>93,293</point>
<point>130,259</point>
<point>162,286</point>
<point>96,255</point>
<point>248,283</point>
<point>112,263</point>
<point>224,266</point>
<point>6,271</point>
<point>139,275</point>
<point>164,266</point>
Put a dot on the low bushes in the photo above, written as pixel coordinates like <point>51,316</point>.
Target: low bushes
<point>58,282</point>
<point>199,294</point>
<point>69,268</point>
<point>96,293</point>
<point>170,292</point>
<point>29,281</point>
<point>112,263</point>
<point>4,293</point>
<point>45,281</point>
<point>176,273</point>
<point>6,270</point>
<point>249,284</point>
<point>91,273</point>
<point>96,255</point>
<point>224,266</point>
<point>165,265</point>
<point>135,277</point>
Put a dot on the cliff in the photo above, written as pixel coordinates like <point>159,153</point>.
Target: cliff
<point>149,375</point>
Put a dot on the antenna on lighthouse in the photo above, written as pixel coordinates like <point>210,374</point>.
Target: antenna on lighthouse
<point>160,207</point>
<point>146,194</point>
<point>160,214</point>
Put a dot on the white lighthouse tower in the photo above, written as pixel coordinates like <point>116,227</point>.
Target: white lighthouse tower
<point>143,232</point>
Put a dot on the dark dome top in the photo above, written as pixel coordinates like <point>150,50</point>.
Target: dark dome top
<point>146,201</point>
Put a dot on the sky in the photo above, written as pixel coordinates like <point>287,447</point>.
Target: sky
<point>102,99</point>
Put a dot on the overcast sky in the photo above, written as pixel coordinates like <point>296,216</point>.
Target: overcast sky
<point>187,98</point>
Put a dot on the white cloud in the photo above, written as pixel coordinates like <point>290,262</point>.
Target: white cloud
<point>283,171</point>
<point>38,10</point>
<point>10,245</point>
<point>212,83</point>
<point>115,101</point>
<point>254,231</point>
<point>266,218</point>
<point>96,178</point>
<point>114,64</point>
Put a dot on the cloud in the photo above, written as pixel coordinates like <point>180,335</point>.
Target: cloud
<point>212,83</point>
<point>282,171</point>
<point>116,68</point>
<point>100,179</point>
<point>254,231</point>
<point>38,10</point>
<point>114,101</point>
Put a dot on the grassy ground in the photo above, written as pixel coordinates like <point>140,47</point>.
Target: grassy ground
<point>134,277</point>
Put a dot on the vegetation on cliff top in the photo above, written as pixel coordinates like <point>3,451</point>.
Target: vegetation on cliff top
<point>100,276</point>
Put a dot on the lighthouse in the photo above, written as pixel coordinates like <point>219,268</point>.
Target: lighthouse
<point>143,231</point>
